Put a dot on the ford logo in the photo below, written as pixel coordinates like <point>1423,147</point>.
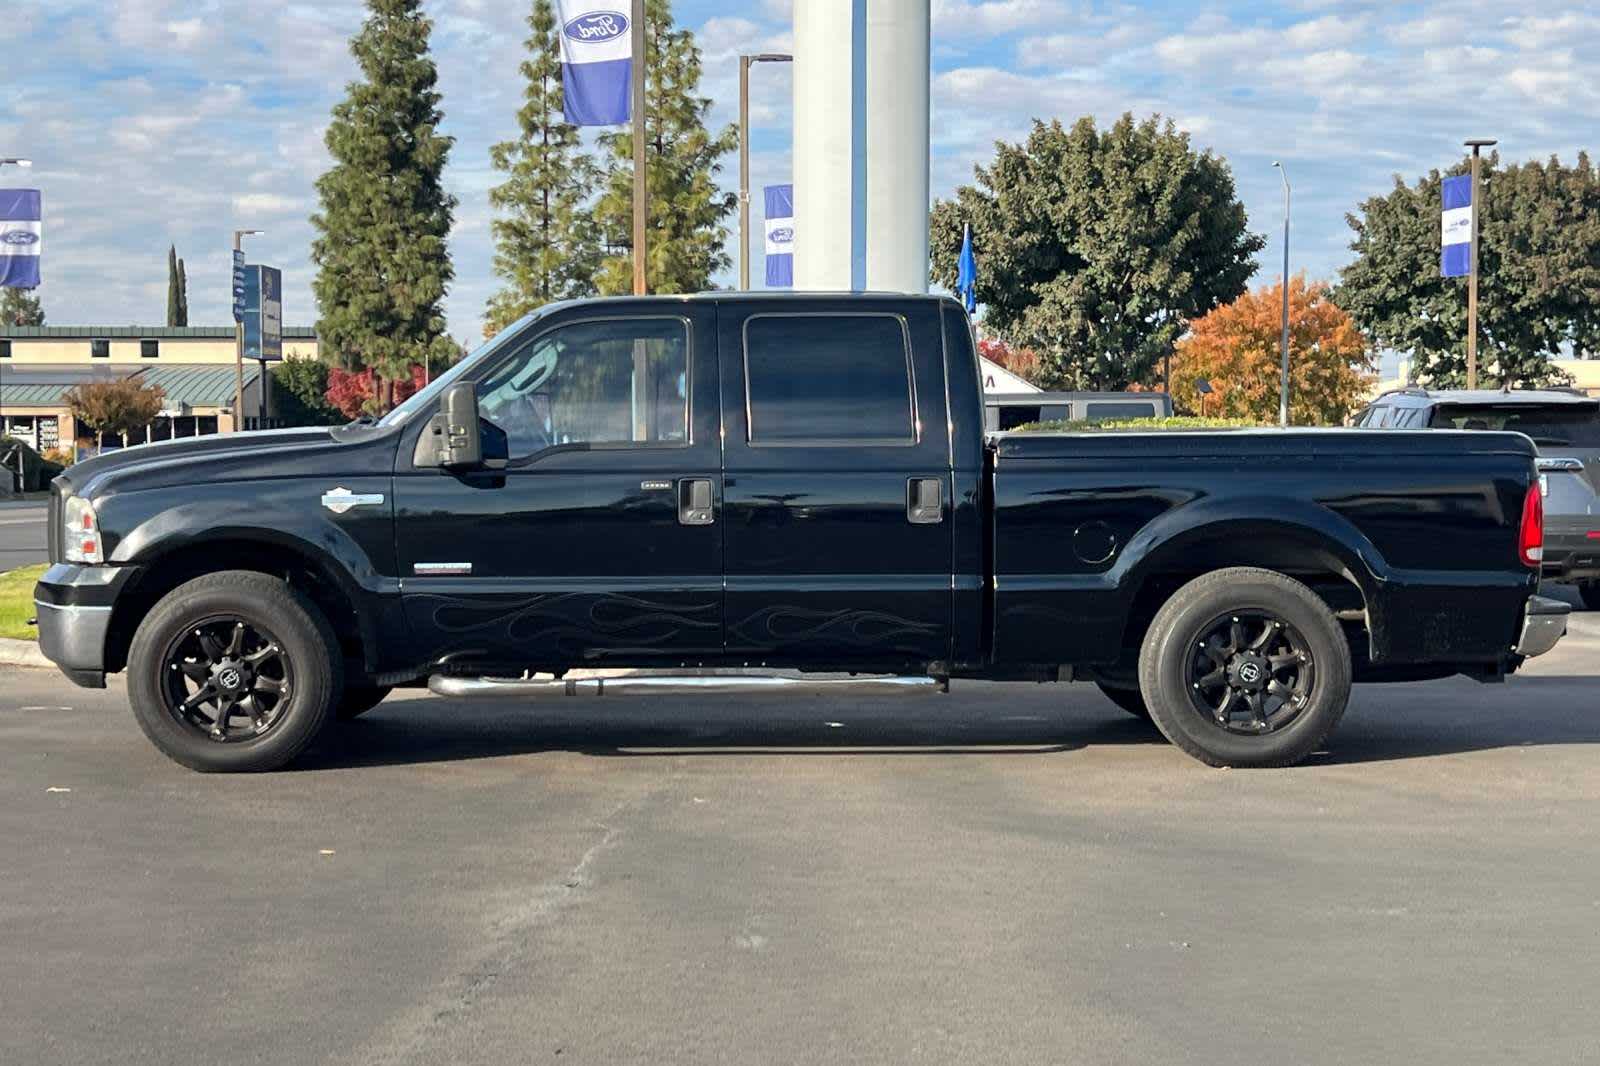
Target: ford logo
<point>782,235</point>
<point>19,237</point>
<point>597,27</point>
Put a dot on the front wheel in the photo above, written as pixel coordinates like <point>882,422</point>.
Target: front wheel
<point>1245,667</point>
<point>234,671</point>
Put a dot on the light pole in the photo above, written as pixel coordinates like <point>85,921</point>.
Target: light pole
<point>1476,144</point>
<point>1283,384</point>
<point>238,339</point>
<point>744,155</point>
<point>16,161</point>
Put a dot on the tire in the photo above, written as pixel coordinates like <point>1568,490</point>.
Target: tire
<point>1589,592</point>
<point>1212,626</point>
<point>1129,699</point>
<point>284,642</point>
<point>359,699</point>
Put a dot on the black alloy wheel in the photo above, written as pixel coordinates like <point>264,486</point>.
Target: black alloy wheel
<point>227,679</point>
<point>1250,672</point>
<point>1245,667</point>
<point>234,671</point>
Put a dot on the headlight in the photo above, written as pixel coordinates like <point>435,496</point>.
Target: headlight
<point>81,529</point>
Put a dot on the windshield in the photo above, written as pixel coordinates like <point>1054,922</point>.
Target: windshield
<point>423,398</point>
<point>1569,424</point>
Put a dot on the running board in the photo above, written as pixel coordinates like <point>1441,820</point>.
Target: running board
<point>700,685</point>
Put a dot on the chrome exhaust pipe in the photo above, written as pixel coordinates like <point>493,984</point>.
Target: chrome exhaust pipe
<point>666,685</point>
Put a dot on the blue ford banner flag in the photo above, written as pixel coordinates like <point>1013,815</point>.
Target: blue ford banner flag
<point>596,61</point>
<point>780,236</point>
<point>21,238</point>
<point>1455,247</point>
<point>967,273</point>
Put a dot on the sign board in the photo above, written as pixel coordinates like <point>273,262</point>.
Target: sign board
<point>263,312</point>
<point>238,286</point>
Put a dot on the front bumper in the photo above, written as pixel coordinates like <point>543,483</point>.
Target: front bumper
<point>1543,624</point>
<point>74,606</point>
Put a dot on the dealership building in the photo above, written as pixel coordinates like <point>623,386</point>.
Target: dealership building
<point>193,366</point>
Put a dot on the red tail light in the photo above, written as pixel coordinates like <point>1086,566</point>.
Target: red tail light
<point>1530,538</point>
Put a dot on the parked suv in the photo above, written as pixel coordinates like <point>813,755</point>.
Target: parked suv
<point>1565,426</point>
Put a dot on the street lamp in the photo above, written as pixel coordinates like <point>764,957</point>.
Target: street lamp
<point>1477,144</point>
<point>1203,387</point>
<point>744,155</point>
<point>1283,384</point>
<point>238,338</point>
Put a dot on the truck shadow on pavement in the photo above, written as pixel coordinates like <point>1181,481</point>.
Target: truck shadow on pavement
<point>1384,723</point>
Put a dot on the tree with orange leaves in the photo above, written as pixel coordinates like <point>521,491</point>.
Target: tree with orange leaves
<point>1238,349</point>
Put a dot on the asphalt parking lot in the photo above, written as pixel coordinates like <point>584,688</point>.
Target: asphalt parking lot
<point>1007,874</point>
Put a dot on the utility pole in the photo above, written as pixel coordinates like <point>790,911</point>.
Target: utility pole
<point>641,188</point>
<point>744,156</point>
<point>1477,144</point>
<point>1283,383</point>
<point>238,336</point>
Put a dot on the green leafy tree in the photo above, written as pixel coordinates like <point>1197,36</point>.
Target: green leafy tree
<point>383,264</point>
<point>21,307</point>
<point>1096,248</point>
<point>177,289</point>
<point>301,393</point>
<point>686,239</point>
<point>1538,265</point>
<point>547,246</point>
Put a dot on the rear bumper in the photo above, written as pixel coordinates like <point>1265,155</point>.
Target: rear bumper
<point>1543,624</point>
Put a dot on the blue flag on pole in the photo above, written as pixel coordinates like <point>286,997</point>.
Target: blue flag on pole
<point>596,61</point>
<point>780,236</point>
<point>1455,242</point>
<point>967,273</point>
<point>21,238</point>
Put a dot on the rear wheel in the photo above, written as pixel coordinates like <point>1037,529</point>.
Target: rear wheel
<point>1245,667</point>
<point>1129,699</point>
<point>234,671</point>
<point>1589,591</point>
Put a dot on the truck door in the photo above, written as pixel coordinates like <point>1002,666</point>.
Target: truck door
<point>602,538</point>
<point>836,485</point>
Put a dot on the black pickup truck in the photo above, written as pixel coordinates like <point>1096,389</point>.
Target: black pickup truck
<point>781,482</point>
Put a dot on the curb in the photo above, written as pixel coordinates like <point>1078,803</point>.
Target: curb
<point>22,653</point>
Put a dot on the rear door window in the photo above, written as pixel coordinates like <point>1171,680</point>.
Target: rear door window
<point>1572,425</point>
<point>1119,409</point>
<point>829,379</point>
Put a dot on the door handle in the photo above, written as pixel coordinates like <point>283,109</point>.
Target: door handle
<point>925,501</point>
<point>694,502</point>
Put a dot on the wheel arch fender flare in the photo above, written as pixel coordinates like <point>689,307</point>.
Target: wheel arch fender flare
<point>1330,540</point>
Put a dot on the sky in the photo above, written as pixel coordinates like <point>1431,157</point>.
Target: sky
<point>153,122</point>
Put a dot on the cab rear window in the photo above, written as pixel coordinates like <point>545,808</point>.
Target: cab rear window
<point>1571,424</point>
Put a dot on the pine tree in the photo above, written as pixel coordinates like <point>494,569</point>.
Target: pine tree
<point>547,246</point>
<point>183,294</point>
<point>20,307</point>
<point>174,294</point>
<point>685,234</point>
<point>383,265</point>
